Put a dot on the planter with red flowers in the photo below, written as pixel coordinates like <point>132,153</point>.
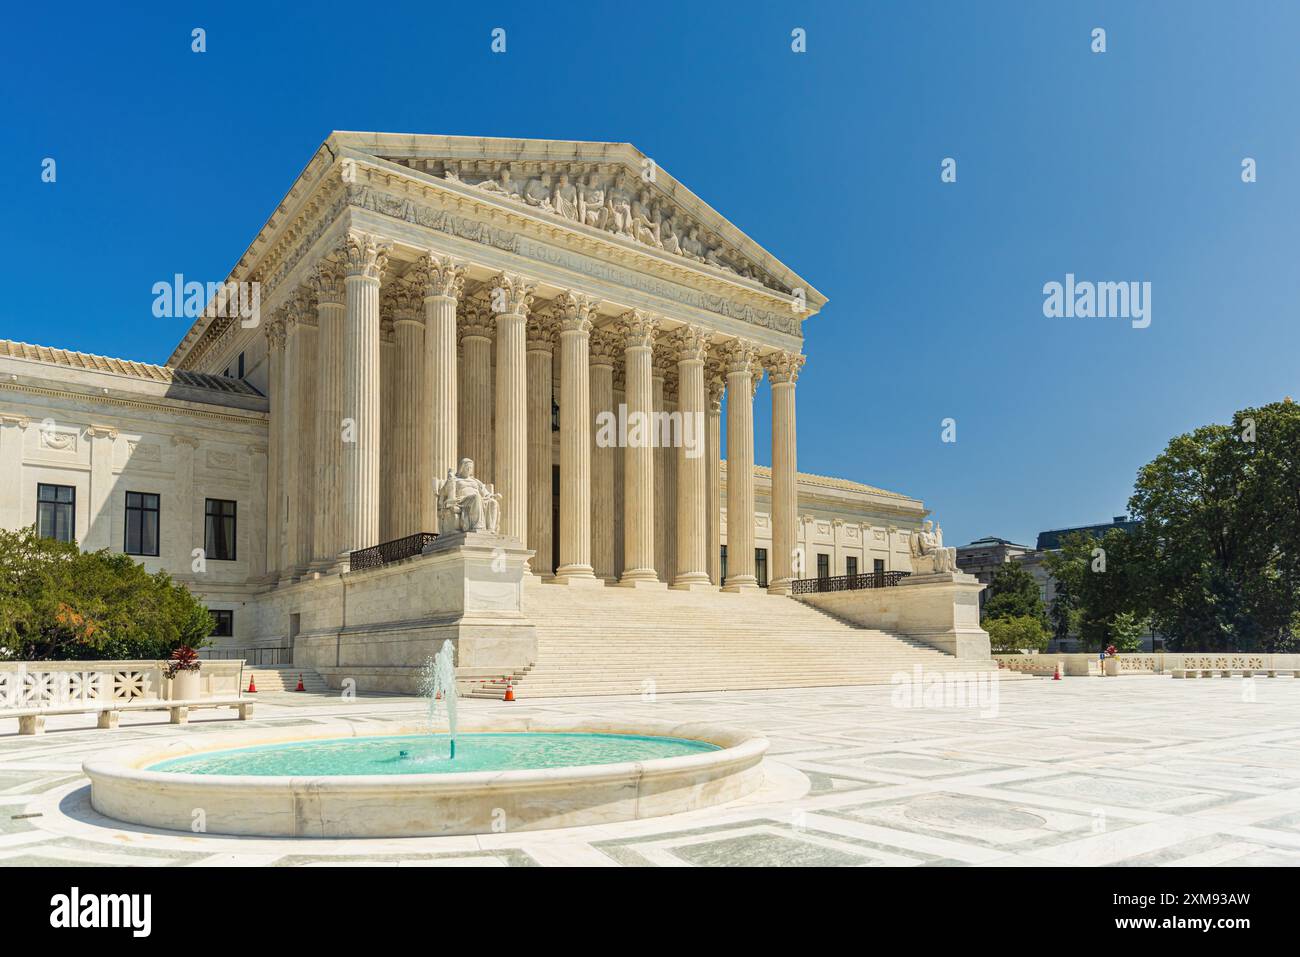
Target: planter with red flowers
<point>1110,664</point>
<point>183,670</point>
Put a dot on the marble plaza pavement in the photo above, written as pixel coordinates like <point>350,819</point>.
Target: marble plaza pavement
<point>1136,770</point>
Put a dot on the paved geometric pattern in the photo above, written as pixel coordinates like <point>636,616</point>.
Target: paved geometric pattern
<point>1136,770</point>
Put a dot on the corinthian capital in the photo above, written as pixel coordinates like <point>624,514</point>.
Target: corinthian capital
<point>327,282</point>
<point>440,276</point>
<point>539,332</point>
<point>511,294</point>
<point>739,357</point>
<point>364,255</point>
<point>577,312</point>
<point>606,347</point>
<point>690,343</point>
<point>638,329</point>
<point>783,367</point>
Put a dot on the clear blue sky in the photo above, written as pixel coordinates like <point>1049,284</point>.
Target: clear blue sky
<point>1118,166</point>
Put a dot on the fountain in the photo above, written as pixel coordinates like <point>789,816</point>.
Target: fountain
<point>438,683</point>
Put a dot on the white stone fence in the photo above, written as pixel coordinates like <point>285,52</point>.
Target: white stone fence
<point>41,684</point>
<point>1177,664</point>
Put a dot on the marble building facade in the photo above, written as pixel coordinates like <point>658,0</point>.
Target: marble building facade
<point>426,299</point>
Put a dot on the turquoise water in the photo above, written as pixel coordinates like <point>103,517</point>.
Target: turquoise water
<point>428,754</point>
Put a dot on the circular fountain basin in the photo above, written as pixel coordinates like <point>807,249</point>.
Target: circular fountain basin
<point>347,780</point>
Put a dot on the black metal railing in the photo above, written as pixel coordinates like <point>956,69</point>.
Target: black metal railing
<point>376,556</point>
<point>258,657</point>
<point>813,586</point>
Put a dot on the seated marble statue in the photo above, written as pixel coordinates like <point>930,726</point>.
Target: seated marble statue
<point>465,504</point>
<point>929,557</point>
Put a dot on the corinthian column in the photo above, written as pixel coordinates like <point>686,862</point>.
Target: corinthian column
<point>364,263</point>
<point>274,487</point>
<point>540,335</point>
<point>511,297</point>
<point>291,513</point>
<point>741,364</point>
<point>328,485</point>
<point>409,432</point>
<point>575,440</point>
<point>782,372</point>
<point>638,330</point>
<point>444,281</point>
<point>691,343</point>
<point>304,424</point>
<point>476,393</point>
<point>604,348</point>
<point>658,376</point>
<point>713,469</point>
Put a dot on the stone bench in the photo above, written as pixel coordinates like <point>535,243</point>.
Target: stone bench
<point>32,720</point>
<point>1226,672</point>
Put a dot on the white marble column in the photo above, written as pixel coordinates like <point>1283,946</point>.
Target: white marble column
<point>638,329</point>
<point>409,432</point>
<point>291,513</point>
<point>713,470</point>
<point>620,462</point>
<point>540,335</point>
<point>328,487</point>
<point>575,440</point>
<point>274,486</point>
<point>604,448</point>
<point>477,393</point>
<point>782,372</point>
<point>99,512</point>
<point>364,263</point>
<point>257,478</point>
<point>658,375</point>
<point>741,362</point>
<point>304,425</point>
<point>388,506</point>
<point>691,344</point>
<point>444,283</point>
<point>512,295</point>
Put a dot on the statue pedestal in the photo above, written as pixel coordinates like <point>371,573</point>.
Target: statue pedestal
<point>942,610</point>
<point>373,629</point>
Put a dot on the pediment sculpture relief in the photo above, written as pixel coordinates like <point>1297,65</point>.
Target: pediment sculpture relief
<point>613,202</point>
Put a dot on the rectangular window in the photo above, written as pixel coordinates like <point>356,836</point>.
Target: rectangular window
<point>851,566</point>
<point>56,512</point>
<point>241,365</point>
<point>723,571</point>
<point>760,566</point>
<point>823,566</point>
<point>878,566</point>
<point>219,530</point>
<point>141,524</point>
<point>223,623</point>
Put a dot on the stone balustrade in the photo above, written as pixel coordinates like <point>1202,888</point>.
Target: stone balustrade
<point>1175,663</point>
<point>40,684</point>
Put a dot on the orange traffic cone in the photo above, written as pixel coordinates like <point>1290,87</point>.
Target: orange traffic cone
<point>1057,676</point>
<point>252,687</point>
<point>510,689</point>
<point>300,687</point>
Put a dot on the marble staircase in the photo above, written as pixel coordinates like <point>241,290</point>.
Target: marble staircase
<point>607,641</point>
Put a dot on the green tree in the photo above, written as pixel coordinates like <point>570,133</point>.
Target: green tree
<point>1220,534</point>
<point>1015,634</point>
<point>1126,631</point>
<point>1103,577</point>
<point>1014,593</point>
<point>59,603</point>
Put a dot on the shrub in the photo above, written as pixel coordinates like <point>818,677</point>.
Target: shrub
<point>1015,634</point>
<point>58,603</point>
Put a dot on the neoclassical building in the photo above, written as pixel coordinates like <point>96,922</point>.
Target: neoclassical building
<point>421,300</point>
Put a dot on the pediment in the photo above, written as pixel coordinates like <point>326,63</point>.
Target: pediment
<point>608,187</point>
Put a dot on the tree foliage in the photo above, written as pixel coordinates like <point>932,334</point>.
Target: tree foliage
<point>1014,593</point>
<point>1214,564</point>
<point>1011,635</point>
<point>59,603</point>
